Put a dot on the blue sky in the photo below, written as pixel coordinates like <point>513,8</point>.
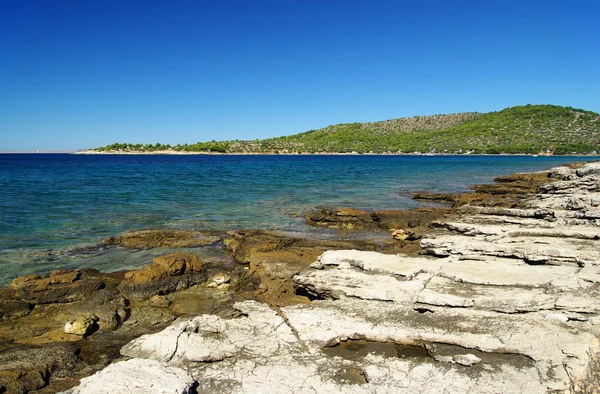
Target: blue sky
<point>79,74</point>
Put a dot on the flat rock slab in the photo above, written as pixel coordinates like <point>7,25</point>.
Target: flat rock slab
<point>443,350</point>
<point>208,338</point>
<point>537,250</point>
<point>161,238</point>
<point>483,270</point>
<point>508,230</point>
<point>541,349</point>
<point>136,376</point>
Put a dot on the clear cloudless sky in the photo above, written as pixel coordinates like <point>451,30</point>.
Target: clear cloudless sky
<point>80,74</point>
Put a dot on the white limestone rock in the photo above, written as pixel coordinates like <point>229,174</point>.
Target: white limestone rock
<point>324,323</point>
<point>571,202</point>
<point>557,317</point>
<point>140,376</point>
<point>343,282</point>
<point>210,338</point>
<point>530,249</point>
<point>537,213</point>
<point>584,185</point>
<point>218,280</point>
<point>467,360</point>
<point>562,173</point>
<point>512,230</point>
<point>82,325</point>
<point>441,291</point>
<point>377,262</point>
<point>589,169</point>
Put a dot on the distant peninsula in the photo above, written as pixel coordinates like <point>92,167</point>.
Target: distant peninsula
<point>529,129</point>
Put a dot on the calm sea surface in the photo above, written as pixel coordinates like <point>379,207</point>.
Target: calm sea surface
<point>54,208</point>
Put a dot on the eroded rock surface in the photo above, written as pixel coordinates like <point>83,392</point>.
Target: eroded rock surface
<point>150,377</point>
<point>559,225</point>
<point>274,258</point>
<point>506,299</point>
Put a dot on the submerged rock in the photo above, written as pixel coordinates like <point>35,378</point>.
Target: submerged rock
<point>161,238</point>
<point>508,192</point>
<point>384,220</point>
<point>340,218</point>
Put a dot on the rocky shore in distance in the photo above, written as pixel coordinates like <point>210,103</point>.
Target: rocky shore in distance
<point>498,293</point>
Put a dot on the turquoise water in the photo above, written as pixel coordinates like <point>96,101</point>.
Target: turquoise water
<point>54,208</point>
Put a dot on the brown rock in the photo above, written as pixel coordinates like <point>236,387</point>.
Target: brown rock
<point>162,266</point>
<point>108,305</point>
<point>58,287</point>
<point>161,238</point>
<point>408,219</point>
<point>165,275</point>
<point>13,308</point>
<point>530,181</point>
<point>25,281</point>
<point>340,218</point>
<point>275,258</point>
<point>24,369</point>
<point>199,300</point>
<point>384,220</point>
<point>158,301</point>
<point>507,191</point>
<point>63,276</point>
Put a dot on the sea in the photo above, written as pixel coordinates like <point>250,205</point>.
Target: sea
<point>55,208</point>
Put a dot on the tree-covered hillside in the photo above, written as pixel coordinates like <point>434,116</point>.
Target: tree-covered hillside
<point>525,129</point>
<point>522,129</point>
<point>388,135</point>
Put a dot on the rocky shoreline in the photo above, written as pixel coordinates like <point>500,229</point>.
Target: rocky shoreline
<point>498,292</point>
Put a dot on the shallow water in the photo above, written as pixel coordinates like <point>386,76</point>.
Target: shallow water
<point>52,204</point>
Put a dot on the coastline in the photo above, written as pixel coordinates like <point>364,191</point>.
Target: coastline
<point>167,152</point>
<point>146,300</point>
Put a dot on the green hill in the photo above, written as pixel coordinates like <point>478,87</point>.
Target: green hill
<point>389,135</point>
<point>522,129</point>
